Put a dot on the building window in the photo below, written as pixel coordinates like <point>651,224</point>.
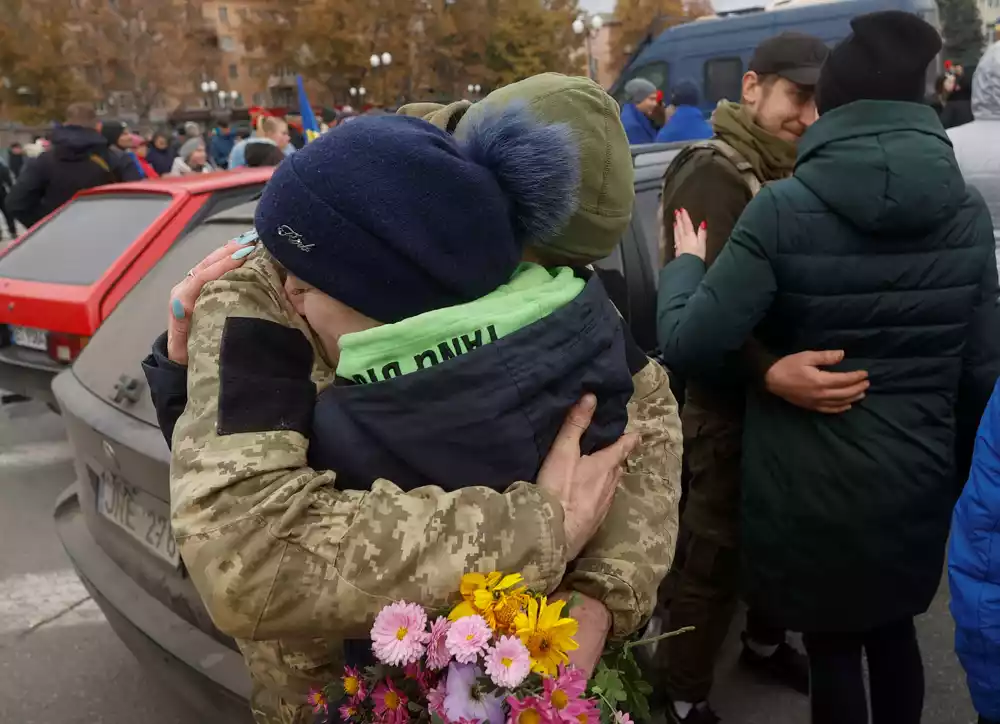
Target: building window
<point>258,99</point>
<point>723,80</point>
<point>234,71</point>
<point>227,44</point>
<point>224,14</point>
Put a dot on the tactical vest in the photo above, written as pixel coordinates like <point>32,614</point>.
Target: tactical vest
<point>720,148</point>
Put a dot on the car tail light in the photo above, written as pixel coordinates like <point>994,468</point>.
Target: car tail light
<point>66,347</point>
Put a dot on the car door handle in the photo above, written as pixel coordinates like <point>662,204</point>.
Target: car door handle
<point>127,389</point>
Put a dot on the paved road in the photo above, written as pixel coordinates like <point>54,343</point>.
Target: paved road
<point>60,662</point>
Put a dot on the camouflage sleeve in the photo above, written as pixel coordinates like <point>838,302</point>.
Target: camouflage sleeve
<point>623,565</point>
<point>276,551</point>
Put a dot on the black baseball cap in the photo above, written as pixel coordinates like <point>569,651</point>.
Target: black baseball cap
<point>794,56</point>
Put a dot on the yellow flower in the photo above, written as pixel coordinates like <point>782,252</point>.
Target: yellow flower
<point>499,599</point>
<point>547,635</point>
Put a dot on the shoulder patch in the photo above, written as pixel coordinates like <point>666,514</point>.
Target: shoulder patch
<point>265,384</point>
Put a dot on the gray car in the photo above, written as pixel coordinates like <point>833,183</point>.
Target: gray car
<point>115,520</point>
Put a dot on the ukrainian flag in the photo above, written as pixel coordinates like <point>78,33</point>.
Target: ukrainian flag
<point>309,125</point>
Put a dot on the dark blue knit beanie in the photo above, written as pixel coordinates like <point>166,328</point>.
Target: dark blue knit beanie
<point>394,217</point>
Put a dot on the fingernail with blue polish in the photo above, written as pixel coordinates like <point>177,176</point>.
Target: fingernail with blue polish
<point>177,309</point>
<point>247,237</point>
<point>244,252</point>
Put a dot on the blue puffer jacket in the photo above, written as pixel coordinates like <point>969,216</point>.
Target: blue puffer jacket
<point>974,567</point>
<point>638,127</point>
<point>687,124</point>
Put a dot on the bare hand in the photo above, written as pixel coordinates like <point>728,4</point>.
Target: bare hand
<point>584,484</point>
<point>686,239</point>
<point>184,295</point>
<point>595,624</point>
<point>797,379</point>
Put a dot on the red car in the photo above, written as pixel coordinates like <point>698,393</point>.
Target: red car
<point>60,281</point>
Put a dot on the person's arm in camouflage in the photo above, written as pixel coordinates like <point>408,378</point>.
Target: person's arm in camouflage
<point>274,549</point>
<point>623,565</point>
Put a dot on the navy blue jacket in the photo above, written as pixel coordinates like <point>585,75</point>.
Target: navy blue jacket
<point>687,124</point>
<point>638,127</point>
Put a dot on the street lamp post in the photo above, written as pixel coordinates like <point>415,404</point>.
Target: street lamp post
<point>581,27</point>
<point>383,60</point>
<point>209,88</point>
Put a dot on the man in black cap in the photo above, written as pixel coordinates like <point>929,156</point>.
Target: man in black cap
<point>754,143</point>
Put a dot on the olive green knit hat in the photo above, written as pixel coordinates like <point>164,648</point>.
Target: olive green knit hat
<point>607,191</point>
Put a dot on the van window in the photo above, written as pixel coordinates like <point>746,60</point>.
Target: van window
<point>723,80</point>
<point>657,73</point>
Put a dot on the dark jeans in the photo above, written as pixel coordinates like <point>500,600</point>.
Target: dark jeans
<point>895,676</point>
<point>6,215</point>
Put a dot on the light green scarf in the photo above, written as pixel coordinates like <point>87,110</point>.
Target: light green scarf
<point>413,344</point>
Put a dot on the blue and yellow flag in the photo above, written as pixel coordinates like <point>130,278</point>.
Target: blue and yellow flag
<point>309,125</point>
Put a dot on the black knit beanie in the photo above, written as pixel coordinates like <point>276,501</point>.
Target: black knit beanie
<point>884,59</point>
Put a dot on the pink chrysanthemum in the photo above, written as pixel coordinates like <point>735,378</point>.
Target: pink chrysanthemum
<point>348,712</point>
<point>399,636</point>
<point>586,711</point>
<point>622,718</point>
<point>437,651</point>
<point>467,638</point>
<point>317,700</point>
<point>435,699</point>
<point>390,704</point>
<point>563,695</point>
<point>508,663</point>
<point>530,710</point>
<point>354,685</point>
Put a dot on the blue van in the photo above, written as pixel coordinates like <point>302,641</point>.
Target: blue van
<point>713,52</point>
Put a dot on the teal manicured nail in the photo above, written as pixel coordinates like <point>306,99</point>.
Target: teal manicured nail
<point>244,252</point>
<point>247,237</point>
<point>177,309</point>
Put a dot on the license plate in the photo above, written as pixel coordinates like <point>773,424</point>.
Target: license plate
<point>30,338</point>
<point>119,502</point>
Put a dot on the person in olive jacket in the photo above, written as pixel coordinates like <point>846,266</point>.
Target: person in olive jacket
<point>877,247</point>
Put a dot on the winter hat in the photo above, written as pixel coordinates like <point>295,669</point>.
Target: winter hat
<point>445,117</point>
<point>685,93</point>
<point>138,140</point>
<point>190,146</point>
<point>112,131</point>
<point>606,191</point>
<point>393,217</point>
<point>885,58</point>
<point>638,90</point>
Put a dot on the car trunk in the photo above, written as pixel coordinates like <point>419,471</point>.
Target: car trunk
<point>122,460</point>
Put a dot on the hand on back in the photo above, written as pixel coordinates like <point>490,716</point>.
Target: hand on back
<point>799,380</point>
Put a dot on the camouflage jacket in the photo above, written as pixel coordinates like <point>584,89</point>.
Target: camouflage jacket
<point>290,566</point>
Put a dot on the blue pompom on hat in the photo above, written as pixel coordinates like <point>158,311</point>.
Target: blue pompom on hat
<point>394,217</point>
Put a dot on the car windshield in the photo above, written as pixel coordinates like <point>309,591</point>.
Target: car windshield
<point>80,242</point>
<point>128,333</point>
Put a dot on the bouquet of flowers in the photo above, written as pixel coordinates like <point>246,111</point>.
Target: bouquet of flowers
<point>500,656</point>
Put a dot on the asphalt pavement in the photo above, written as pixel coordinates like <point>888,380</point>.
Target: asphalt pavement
<point>61,662</point>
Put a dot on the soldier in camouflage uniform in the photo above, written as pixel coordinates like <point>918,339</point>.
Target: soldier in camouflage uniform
<point>281,555</point>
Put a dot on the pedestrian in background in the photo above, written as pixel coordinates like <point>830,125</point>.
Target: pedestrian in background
<point>140,149</point>
<point>15,159</point>
<point>80,158</point>
<point>977,144</point>
<point>944,84</point>
<point>192,159</point>
<point>643,99</point>
<point>754,144</point>
<point>262,153</point>
<point>118,136</point>
<point>845,516</point>
<point>221,145</point>
<point>687,122</point>
<point>159,154</point>
<point>269,130</point>
<point>6,183</point>
<point>958,110</point>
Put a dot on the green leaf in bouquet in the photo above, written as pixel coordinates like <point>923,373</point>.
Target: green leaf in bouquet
<point>610,683</point>
<point>414,707</point>
<point>435,719</point>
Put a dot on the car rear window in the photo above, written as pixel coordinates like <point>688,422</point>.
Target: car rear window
<point>79,244</point>
<point>126,336</point>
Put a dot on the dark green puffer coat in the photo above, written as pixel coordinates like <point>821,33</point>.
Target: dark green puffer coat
<point>875,246</point>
